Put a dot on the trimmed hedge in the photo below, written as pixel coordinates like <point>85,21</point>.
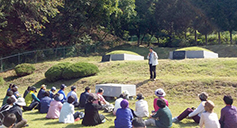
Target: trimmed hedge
<point>24,69</point>
<point>80,69</point>
<point>2,81</point>
<point>55,72</point>
<point>70,71</point>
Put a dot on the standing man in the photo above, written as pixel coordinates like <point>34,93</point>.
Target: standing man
<point>153,61</point>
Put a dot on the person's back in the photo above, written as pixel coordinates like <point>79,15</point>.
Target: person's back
<point>66,113</point>
<point>45,103</point>
<point>211,120</point>
<point>83,97</point>
<point>55,107</point>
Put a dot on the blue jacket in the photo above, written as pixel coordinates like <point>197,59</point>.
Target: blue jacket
<point>64,96</point>
<point>44,104</point>
<point>123,118</point>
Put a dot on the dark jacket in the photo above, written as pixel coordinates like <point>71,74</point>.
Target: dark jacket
<point>44,104</point>
<point>25,93</point>
<point>17,111</point>
<point>41,94</point>
<point>92,116</point>
<point>83,98</point>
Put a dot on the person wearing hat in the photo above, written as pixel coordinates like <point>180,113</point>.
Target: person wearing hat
<point>41,92</point>
<point>8,121</point>
<point>152,61</point>
<point>138,123</point>
<point>31,100</point>
<point>118,101</point>
<point>74,94</point>
<point>208,118</point>
<point>45,103</point>
<point>51,92</point>
<point>61,91</point>
<point>141,107</point>
<point>194,114</point>
<point>55,107</point>
<point>162,118</point>
<point>83,97</point>
<point>228,117</point>
<point>124,116</point>
<point>92,116</point>
<point>16,109</point>
<point>160,93</point>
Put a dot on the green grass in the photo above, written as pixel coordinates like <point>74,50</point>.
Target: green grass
<point>193,49</point>
<point>182,80</point>
<point>121,52</point>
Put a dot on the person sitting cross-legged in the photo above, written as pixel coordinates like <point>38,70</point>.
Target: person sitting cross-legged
<point>141,107</point>
<point>31,100</point>
<point>45,103</point>
<point>55,107</point>
<point>162,118</point>
<point>83,97</point>
<point>118,101</point>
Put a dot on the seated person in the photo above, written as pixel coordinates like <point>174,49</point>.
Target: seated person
<point>8,95</point>
<point>31,100</point>
<point>118,101</point>
<point>26,91</point>
<point>141,107</point>
<point>194,114</point>
<point>101,98</point>
<point>74,94</point>
<point>162,118</point>
<point>84,97</point>
<point>41,92</point>
<point>160,93</point>
<point>16,109</point>
<point>123,116</point>
<point>15,91</point>
<point>61,91</point>
<point>55,107</point>
<point>67,114</point>
<point>4,109</point>
<point>52,91</point>
<point>44,103</point>
<point>208,118</point>
<point>8,121</point>
<point>228,117</point>
<point>138,123</point>
<point>92,116</point>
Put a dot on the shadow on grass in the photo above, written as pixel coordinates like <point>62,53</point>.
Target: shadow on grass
<point>55,121</point>
<point>10,78</point>
<point>186,124</point>
<point>142,83</point>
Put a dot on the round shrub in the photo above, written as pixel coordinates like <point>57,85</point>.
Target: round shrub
<point>24,69</point>
<point>55,72</point>
<point>2,81</point>
<point>80,69</point>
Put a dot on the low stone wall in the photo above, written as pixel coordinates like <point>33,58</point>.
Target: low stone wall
<point>115,57</point>
<point>192,54</point>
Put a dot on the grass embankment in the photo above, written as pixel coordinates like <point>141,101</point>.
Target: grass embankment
<point>121,52</point>
<point>181,79</point>
<point>193,49</point>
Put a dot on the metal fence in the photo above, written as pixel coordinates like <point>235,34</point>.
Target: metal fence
<point>35,56</point>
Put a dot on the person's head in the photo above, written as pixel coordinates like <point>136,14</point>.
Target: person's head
<point>21,102</point>
<point>9,120</point>
<point>53,89</point>
<point>63,86</point>
<point>123,95</point>
<point>87,89</point>
<point>43,86</point>
<point>101,90</point>
<point>138,123</point>
<point>46,93</point>
<point>124,104</point>
<point>139,96</point>
<point>73,88</point>
<point>13,86</point>
<point>203,96</point>
<point>14,89</point>
<point>58,97</point>
<point>161,103</point>
<point>92,97</point>
<point>9,93</point>
<point>33,89</point>
<point>10,100</point>
<point>10,85</point>
<point>70,99</point>
<point>160,92</point>
<point>209,105</point>
<point>150,49</point>
<point>28,88</point>
<point>228,100</point>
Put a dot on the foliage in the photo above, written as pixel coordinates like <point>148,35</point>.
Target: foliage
<point>79,70</point>
<point>24,69</point>
<point>121,52</point>
<point>55,72</point>
<point>193,49</point>
<point>2,81</point>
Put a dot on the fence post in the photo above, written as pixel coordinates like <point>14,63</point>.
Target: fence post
<point>64,52</point>
<point>19,59</point>
<point>1,65</point>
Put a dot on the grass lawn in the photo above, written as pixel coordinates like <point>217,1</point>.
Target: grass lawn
<point>182,80</point>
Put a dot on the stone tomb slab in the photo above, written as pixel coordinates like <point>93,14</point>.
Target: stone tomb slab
<point>192,54</point>
<point>114,90</point>
<point>115,57</point>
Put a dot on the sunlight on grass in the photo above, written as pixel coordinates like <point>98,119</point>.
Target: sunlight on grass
<point>193,49</point>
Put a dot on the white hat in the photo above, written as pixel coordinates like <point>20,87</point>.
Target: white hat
<point>21,102</point>
<point>53,88</point>
<point>160,92</point>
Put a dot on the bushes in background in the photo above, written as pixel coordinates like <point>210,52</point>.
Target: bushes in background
<point>70,71</point>
<point>24,69</point>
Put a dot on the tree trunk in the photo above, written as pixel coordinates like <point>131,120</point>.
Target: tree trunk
<point>219,37</point>
<point>195,36</point>
<point>206,38</point>
<point>231,41</point>
<point>138,40</point>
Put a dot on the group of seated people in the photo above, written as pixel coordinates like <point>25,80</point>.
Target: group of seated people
<point>59,106</point>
